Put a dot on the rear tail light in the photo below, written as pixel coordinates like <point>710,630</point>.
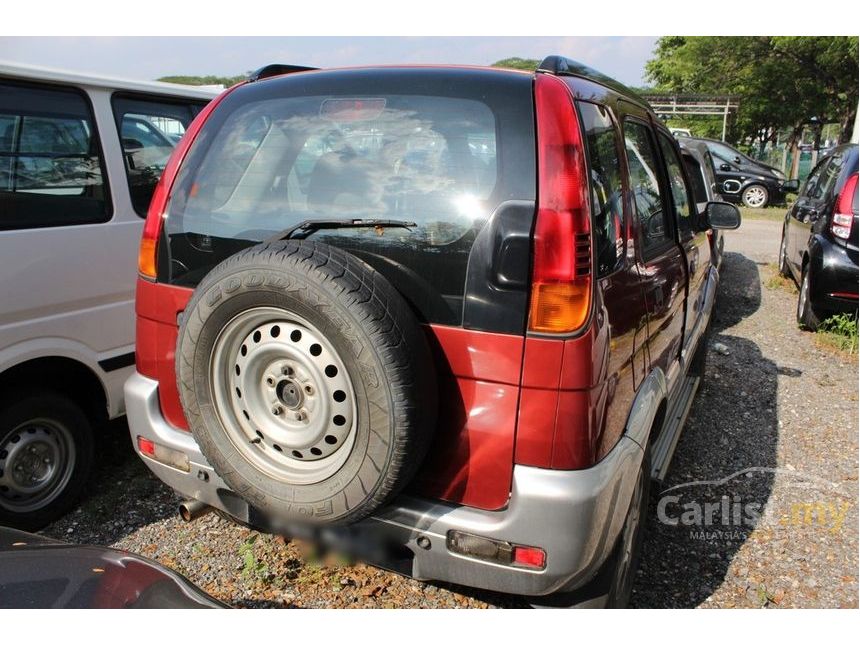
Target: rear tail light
<point>163,454</point>
<point>561,274</point>
<point>843,217</point>
<point>529,556</point>
<point>147,258</point>
<point>498,551</point>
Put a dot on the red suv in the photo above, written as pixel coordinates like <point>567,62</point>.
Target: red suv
<point>452,317</point>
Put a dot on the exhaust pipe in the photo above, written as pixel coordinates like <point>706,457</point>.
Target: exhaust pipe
<point>191,509</point>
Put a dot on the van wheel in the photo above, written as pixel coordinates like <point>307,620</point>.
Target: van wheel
<point>613,584</point>
<point>755,196</point>
<point>306,381</point>
<point>46,455</point>
<point>806,316</point>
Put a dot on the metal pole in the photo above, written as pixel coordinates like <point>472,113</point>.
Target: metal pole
<point>725,118</point>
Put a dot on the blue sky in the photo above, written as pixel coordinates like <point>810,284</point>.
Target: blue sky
<point>147,58</point>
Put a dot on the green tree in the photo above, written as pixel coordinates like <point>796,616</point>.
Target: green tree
<point>781,81</point>
<point>515,62</point>
<point>226,81</point>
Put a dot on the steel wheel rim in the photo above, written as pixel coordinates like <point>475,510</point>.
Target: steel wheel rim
<point>37,459</point>
<point>754,196</point>
<point>283,395</point>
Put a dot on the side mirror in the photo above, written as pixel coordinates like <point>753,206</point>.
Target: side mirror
<point>791,186</point>
<point>725,167</point>
<point>722,215</point>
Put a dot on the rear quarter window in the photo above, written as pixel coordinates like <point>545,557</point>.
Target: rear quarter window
<point>435,160</point>
<point>602,144</point>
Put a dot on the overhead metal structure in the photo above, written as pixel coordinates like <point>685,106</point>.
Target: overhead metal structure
<point>670,105</point>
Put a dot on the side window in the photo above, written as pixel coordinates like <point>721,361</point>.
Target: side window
<point>830,176</point>
<point>812,188</point>
<point>697,179</point>
<point>606,192</point>
<point>642,162</point>
<point>50,163</point>
<point>677,183</point>
<point>723,154</point>
<point>149,130</point>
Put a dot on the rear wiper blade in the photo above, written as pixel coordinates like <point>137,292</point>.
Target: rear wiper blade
<point>309,226</point>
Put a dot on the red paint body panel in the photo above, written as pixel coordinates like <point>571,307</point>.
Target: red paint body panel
<point>555,428</point>
<point>157,306</point>
<point>471,459</point>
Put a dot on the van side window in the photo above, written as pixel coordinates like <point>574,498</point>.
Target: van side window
<point>50,162</point>
<point>677,183</point>
<point>148,132</point>
<point>642,163</point>
<point>607,198</point>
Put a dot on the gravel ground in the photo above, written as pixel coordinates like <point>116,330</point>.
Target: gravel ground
<point>776,407</point>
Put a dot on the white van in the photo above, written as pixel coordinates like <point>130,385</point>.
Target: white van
<point>79,160</point>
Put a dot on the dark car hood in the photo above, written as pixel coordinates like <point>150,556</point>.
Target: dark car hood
<point>38,572</point>
<point>763,166</point>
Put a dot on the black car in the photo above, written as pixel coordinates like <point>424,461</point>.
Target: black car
<point>743,180</point>
<point>819,239</point>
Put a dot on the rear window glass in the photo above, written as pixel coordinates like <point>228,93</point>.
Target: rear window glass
<point>431,160</point>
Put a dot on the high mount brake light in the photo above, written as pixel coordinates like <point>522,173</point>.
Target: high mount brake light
<point>351,110</point>
<point>147,258</point>
<point>561,274</point>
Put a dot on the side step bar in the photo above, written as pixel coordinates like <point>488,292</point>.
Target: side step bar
<point>664,447</point>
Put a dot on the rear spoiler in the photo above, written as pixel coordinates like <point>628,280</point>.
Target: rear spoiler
<point>277,69</point>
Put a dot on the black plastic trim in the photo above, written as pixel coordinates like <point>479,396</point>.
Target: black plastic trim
<point>117,362</point>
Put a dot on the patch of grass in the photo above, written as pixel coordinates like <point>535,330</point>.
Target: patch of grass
<point>776,281</point>
<point>251,567</point>
<point>839,332</point>
<point>770,214</point>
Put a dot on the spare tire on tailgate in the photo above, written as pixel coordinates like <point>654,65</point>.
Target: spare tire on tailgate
<point>306,381</point>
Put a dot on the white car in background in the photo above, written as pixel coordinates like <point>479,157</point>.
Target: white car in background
<point>79,160</point>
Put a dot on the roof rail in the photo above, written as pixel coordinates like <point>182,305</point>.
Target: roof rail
<point>561,66</point>
<point>277,70</point>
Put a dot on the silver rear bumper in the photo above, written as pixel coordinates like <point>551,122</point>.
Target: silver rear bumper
<point>575,516</point>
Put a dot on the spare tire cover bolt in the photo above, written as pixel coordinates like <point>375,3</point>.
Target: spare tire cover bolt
<point>424,542</point>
